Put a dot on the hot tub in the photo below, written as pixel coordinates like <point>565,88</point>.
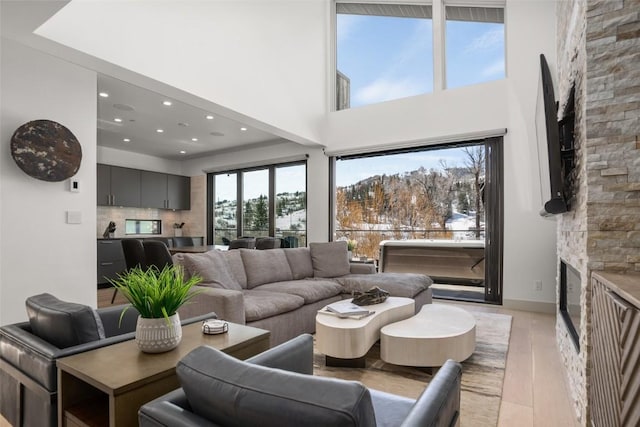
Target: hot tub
<point>445,261</point>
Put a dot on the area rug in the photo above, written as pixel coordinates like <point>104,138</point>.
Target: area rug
<point>482,373</point>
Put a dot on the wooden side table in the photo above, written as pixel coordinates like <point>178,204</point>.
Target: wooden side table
<point>107,386</point>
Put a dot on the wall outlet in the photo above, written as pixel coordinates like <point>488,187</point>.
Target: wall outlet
<point>537,285</point>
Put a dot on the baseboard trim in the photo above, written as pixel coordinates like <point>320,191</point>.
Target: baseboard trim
<point>535,306</point>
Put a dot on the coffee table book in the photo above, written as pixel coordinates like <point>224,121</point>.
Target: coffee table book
<point>346,308</point>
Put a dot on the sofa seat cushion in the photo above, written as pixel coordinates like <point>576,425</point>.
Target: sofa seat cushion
<point>310,290</point>
<point>300,262</point>
<point>213,267</point>
<point>230,392</point>
<point>406,285</point>
<point>265,266</point>
<point>63,324</point>
<point>329,259</point>
<point>262,304</point>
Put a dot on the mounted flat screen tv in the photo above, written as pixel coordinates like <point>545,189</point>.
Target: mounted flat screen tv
<point>548,131</point>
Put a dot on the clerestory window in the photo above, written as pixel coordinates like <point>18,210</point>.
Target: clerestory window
<point>390,50</point>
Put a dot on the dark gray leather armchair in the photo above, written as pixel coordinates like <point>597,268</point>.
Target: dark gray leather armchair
<point>277,388</point>
<point>28,370</point>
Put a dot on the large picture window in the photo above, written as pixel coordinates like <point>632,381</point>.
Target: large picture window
<point>444,199</point>
<point>259,202</point>
<point>391,50</point>
<point>383,52</point>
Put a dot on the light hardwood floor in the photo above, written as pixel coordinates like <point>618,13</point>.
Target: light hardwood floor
<point>535,390</point>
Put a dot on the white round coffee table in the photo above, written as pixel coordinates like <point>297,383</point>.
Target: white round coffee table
<point>345,342</point>
<point>437,333</point>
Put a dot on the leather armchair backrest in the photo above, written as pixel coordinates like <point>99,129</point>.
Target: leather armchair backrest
<point>231,392</point>
<point>133,253</point>
<point>157,254</point>
<point>63,324</point>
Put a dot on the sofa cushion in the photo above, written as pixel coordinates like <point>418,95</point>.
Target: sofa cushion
<point>300,262</point>
<point>236,267</point>
<point>63,324</point>
<point>310,290</point>
<point>262,304</point>
<point>398,284</point>
<point>329,259</point>
<point>265,266</point>
<point>230,392</point>
<point>213,267</point>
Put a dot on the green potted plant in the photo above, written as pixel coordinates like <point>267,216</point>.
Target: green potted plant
<point>157,295</point>
<point>351,247</point>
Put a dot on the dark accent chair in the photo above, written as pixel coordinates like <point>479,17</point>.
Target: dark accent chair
<point>133,257</point>
<point>180,242</point>
<point>157,254</point>
<point>290,242</point>
<point>267,243</point>
<point>225,241</point>
<point>29,351</point>
<point>277,388</point>
<point>244,242</point>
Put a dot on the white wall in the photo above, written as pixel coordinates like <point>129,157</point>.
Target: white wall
<point>128,159</point>
<point>245,56</point>
<point>40,252</point>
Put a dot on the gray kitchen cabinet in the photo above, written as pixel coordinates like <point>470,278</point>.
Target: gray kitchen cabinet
<point>110,260</point>
<point>178,192</point>
<point>117,186</point>
<point>163,191</point>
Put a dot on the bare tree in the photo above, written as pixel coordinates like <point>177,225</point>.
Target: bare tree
<point>475,163</point>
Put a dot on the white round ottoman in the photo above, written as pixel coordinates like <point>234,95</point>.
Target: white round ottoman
<point>437,333</point>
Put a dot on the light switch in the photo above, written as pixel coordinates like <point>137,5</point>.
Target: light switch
<point>74,217</point>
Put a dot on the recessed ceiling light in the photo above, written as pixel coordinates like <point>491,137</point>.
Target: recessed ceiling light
<point>103,94</point>
<point>243,129</point>
<point>183,152</point>
<point>194,139</point>
<point>209,117</point>
<point>117,120</point>
<point>159,130</point>
<point>126,140</point>
<point>167,103</point>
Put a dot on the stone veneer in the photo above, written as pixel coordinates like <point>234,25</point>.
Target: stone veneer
<point>599,49</point>
<point>194,219</point>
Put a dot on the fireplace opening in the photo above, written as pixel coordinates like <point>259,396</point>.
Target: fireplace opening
<point>570,287</point>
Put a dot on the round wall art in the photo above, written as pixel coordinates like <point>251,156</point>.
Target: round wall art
<point>46,150</point>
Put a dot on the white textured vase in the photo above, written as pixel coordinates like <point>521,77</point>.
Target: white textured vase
<point>156,336</point>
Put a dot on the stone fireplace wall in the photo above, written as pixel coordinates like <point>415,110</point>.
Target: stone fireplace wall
<point>599,49</point>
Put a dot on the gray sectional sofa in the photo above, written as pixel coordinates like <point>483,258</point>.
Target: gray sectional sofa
<point>282,289</point>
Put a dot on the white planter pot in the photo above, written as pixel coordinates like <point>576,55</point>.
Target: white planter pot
<point>177,232</point>
<point>156,336</point>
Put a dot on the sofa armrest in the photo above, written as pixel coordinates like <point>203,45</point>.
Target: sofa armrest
<point>172,409</point>
<point>439,403</point>
<point>295,355</point>
<point>361,268</point>
<point>228,304</point>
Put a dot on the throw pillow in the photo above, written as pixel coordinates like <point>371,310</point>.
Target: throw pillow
<point>329,259</point>
<point>213,268</point>
<point>300,262</point>
<point>63,324</point>
<point>230,392</point>
<point>265,266</point>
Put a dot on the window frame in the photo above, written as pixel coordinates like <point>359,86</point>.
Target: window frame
<point>272,167</point>
<point>438,20</point>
